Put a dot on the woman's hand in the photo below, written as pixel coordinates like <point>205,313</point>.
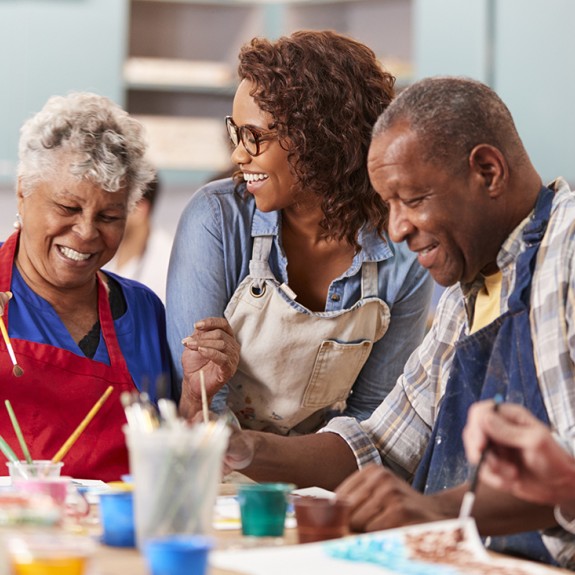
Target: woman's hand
<point>524,458</point>
<point>241,448</point>
<point>5,297</point>
<point>240,451</point>
<point>213,349</point>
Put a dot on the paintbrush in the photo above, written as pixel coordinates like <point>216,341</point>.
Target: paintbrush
<point>18,432</point>
<point>11,456</point>
<point>469,497</point>
<point>16,370</point>
<point>83,424</point>
<point>204,397</point>
<point>7,451</point>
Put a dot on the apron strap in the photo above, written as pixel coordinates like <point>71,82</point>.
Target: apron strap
<point>532,236</point>
<point>369,280</point>
<point>7,255</point>
<point>259,265</point>
<point>117,359</point>
<point>260,268</point>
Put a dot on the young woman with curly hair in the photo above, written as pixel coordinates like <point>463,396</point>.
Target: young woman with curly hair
<point>290,256</point>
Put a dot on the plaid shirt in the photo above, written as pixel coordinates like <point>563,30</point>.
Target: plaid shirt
<point>398,431</point>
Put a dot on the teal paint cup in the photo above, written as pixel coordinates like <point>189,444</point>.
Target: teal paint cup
<point>263,508</point>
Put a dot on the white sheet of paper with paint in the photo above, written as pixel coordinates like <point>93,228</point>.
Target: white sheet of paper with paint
<point>434,549</point>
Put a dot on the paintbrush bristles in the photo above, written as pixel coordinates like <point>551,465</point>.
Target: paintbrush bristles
<point>16,370</point>
<point>467,505</point>
<point>469,497</point>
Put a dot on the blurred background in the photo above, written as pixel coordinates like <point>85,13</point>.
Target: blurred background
<point>172,63</point>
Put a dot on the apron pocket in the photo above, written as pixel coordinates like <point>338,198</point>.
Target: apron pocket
<point>336,368</point>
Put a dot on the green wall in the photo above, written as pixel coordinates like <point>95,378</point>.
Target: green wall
<point>52,47</point>
<point>524,50</point>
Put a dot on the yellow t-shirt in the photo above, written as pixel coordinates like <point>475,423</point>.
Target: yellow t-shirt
<point>487,303</point>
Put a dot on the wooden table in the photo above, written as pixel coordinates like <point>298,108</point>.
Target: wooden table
<point>122,561</point>
<point>118,561</point>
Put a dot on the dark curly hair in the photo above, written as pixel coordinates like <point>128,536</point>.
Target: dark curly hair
<point>324,92</point>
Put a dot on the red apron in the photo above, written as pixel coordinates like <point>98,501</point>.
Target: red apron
<point>57,390</point>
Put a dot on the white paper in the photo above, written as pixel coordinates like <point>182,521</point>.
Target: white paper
<point>314,492</point>
<point>92,483</point>
<point>452,547</point>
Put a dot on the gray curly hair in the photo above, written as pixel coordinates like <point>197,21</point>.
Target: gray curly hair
<point>105,145</point>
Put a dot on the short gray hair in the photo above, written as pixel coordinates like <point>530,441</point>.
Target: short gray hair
<point>452,115</point>
<point>104,144</point>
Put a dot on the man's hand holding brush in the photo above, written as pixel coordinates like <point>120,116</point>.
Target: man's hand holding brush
<point>524,458</point>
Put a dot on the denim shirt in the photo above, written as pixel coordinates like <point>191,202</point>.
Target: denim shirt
<point>210,257</point>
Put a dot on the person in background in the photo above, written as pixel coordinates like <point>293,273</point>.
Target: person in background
<point>293,251</point>
<point>462,192</point>
<point>144,252</point>
<point>522,456</point>
<point>76,330</point>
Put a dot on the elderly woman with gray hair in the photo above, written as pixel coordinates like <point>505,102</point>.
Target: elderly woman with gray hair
<point>74,329</point>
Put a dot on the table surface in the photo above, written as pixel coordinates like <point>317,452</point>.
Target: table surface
<point>127,561</point>
<point>115,560</point>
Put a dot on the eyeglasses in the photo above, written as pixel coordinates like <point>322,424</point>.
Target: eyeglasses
<point>250,137</point>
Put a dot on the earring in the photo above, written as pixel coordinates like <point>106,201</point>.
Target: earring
<point>17,222</point>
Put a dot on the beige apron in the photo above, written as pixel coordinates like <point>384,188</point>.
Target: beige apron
<point>296,364</point>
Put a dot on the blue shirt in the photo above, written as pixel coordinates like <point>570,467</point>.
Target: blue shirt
<point>210,257</point>
<point>140,330</point>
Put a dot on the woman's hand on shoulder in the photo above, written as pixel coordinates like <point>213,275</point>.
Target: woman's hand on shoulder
<point>5,297</point>
<point>213,349</point>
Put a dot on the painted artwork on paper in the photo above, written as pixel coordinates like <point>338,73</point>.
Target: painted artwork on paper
<point>442,548</point>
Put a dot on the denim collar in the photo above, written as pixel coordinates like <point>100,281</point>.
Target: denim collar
<point>372,248</point>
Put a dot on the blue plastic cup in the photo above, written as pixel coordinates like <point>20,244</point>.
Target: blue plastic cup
<point>178,554</point>
<point>117,517</point>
